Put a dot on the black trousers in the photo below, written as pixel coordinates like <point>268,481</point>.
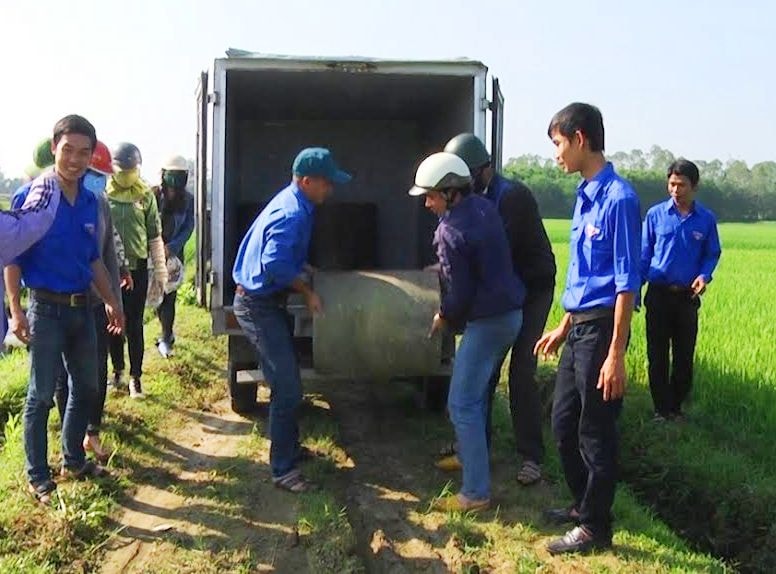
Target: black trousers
<point>166,314</point>
<point>62,391</point>
<point>672,326</point>
<point>525,405</point>
<point>585,426</point>
<point>134,308</point>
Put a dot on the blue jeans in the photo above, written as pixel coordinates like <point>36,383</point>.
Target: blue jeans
<point>265,323</point>
<point>483,345</point>
<point>59,332</point>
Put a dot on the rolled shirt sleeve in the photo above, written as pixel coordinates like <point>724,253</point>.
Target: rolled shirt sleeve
<point>627,243</point>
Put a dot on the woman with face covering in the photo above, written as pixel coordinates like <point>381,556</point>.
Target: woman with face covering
<point>176,206</point>
<point>136,217</point>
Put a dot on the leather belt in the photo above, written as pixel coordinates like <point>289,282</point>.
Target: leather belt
<point>594,314</point>
<point>69,299</point>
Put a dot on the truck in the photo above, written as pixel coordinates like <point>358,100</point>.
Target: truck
<point>380,117</point>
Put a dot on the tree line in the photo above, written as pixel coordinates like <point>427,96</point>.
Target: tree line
<point>733,190</point>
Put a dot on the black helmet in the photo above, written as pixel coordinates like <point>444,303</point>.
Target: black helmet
<point>470,149</point>
<point>127,156</point>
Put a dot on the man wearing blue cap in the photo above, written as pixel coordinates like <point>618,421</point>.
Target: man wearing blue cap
<point>269,265</point>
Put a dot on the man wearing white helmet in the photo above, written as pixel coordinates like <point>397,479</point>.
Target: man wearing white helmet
<point>481,298</point>
<point>176,208</point>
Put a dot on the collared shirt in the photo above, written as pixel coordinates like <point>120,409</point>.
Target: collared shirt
<point>675,249</point>
<point>273,252</point>
<point>605,243</point>
<point>61,260</point>
<point>21,228</point>
<point>475,268</point>
<point>108,241</point>
<point>532,255</point>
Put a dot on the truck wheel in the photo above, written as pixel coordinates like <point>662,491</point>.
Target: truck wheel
<point>243,394</point>
<point>434,393</point>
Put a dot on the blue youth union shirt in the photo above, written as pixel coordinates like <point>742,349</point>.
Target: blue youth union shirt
<point>274,251</point>
<point>605,243</point>
<point>675,250</point>
<point>61,261</point>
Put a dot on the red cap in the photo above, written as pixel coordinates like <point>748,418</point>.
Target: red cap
<point>102,161</point>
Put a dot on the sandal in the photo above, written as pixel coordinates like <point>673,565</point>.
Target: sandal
<point>293,482</point>
<point>90,469</point>
<point>42,491</point>
<point>450,449</point>
<point>530,473</point>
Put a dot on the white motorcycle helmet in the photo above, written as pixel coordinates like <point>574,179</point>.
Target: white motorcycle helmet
<point>441,171</point>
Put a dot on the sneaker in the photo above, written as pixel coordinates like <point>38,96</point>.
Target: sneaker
<point>164,348</point>
<point>135,388</point>
<point>578,541</point>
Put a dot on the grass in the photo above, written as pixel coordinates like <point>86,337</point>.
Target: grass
<point>72,535</point>
<point>714,480</point>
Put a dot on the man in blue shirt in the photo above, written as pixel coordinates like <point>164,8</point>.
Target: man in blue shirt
<point>60,270</point>
<point>601,293</point>
<point>482,298</point>
<point>269,265</point>
<point>679,251</point>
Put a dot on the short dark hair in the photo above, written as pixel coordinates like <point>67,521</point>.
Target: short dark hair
<point>686,168</point>
<point>74,124</point>
<point>580,117</point>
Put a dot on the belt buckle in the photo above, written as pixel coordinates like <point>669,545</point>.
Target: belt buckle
<point>73,299</point>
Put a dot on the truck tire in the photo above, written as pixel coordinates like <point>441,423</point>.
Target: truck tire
<point>243,395</point>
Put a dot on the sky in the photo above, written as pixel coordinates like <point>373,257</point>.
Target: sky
<point>696,77</point>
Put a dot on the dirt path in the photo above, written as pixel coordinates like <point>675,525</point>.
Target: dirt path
<point>214,497</point>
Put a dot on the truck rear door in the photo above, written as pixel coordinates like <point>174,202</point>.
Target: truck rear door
<point>201,203</point>
<point>497,127</point>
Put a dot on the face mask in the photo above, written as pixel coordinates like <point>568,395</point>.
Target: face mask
<point>175,179</point>
<point>95,182</point>
<point>127,178</point>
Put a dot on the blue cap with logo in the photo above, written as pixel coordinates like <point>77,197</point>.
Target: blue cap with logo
<point>318,162</point>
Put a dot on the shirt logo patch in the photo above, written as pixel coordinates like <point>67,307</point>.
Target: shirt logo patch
<point>591,230</point>
<point>697,235</point>
<point>90,227</point>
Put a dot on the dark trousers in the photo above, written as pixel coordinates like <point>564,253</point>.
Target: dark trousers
<point>134,307</point>
<point>585,426</point>
<point>63,380</point>
<point>166,314</point>
<point>524,402</point>
<point>672,325</point>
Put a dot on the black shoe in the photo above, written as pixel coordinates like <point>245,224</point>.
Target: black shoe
<point>578,541</point>
<point>561,516</point>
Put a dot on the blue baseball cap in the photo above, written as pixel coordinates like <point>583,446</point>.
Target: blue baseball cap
<point>318,162</point>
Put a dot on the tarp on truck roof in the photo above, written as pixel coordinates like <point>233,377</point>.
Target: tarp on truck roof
<point>236,53</point>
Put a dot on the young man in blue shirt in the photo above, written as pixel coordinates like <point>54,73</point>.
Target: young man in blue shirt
<point>680,250</point>
<point>269,265</point>
<point>59,270</point>
<point>602,288</point>
<point>481,298</point>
